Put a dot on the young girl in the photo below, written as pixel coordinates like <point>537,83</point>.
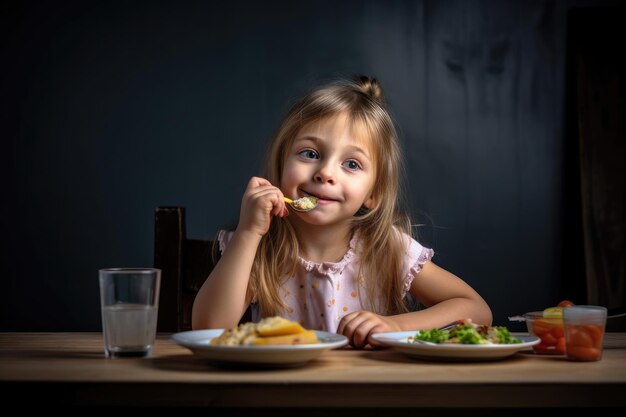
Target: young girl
<point>347,265</point>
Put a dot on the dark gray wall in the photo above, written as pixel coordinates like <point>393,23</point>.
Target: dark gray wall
<point>110,109</point>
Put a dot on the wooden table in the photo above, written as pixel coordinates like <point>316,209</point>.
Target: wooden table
<point>69,369</point>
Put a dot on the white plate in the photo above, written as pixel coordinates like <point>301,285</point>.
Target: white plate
<point>199,342</point>
<point>451,352</point>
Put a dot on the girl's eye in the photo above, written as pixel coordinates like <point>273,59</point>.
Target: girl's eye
<point>309,153</point>
<point>352,165</point>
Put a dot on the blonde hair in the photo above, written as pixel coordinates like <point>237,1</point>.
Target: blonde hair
<point>381,246</point>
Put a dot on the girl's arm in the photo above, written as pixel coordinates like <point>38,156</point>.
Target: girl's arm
<point>224,296</point>
<point>446,296</point>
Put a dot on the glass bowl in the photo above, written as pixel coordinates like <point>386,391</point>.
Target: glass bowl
<point>549,329</point>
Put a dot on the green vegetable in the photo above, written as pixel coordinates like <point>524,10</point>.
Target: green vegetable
<point>467,335</point>
<point>503,336</point>
<point>433,335</point>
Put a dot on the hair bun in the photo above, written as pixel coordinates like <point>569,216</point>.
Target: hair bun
<point>371,87</point>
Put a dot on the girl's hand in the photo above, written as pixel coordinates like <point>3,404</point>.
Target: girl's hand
<point>260,201</point>
<point>358,327</point>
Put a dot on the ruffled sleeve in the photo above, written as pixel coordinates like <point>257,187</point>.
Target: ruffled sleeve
<point>223,238</point>
<point>417,255</point>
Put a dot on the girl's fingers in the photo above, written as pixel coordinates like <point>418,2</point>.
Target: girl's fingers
<point>349,323</point>
<point>256,182</point>
<point>260,202</point>
<point>342,324</point>
<point>271,199</point>
<point>358,327</point>
<point>373,343</point>
<point>362,332</point>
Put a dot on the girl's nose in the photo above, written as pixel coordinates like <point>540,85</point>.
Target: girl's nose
<point>325,174</point>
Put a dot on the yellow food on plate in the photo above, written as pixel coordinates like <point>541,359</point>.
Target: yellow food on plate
<point>278,326</point>
<point>269,331</point>
<point>303,338</point>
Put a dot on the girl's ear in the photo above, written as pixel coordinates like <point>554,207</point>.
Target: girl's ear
<point>369,203</point>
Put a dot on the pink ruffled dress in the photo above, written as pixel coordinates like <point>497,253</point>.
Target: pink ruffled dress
<point>320,294</point>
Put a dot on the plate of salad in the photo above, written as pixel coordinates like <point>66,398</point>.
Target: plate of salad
<point>463,341</point>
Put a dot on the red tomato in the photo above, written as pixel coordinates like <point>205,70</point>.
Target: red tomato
<point>560,346</point>
<point>539,327</point>
<point>583,353</point>
<point>548,340</point>
<point>579,337</point>
<point>565,303</point>
<point>557,331</point>
<point>595,331</point>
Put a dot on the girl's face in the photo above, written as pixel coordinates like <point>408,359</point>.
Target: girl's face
<point>328,161</point>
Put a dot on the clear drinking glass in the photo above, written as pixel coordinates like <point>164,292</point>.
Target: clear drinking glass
<point>584,332</point>
<point>130,302</point>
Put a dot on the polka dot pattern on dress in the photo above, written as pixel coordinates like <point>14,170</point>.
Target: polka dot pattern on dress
<point>319,295</point>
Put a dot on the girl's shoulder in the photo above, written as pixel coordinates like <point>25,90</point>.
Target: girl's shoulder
<point>416,254</point>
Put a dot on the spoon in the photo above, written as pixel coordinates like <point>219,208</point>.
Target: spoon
<point>303,204</point>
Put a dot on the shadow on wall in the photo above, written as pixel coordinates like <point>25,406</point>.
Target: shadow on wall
<point>491,149</point>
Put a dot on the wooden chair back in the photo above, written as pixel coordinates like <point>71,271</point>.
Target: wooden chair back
<point>185,264</point>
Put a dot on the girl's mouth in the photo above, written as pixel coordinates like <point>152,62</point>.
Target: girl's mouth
<point>321,199</point>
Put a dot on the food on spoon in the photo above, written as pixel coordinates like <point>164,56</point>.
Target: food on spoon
<point>305,203</point>
<point>269,331</point>
<point>467,333</point>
